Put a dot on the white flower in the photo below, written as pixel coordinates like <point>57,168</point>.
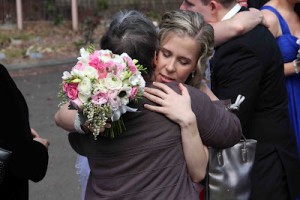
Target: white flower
<point>66,75</point>
<point>113,82</point>
<point>84,56</point>
<point>83,98</point>
<point>85,87</point>
<point>124,95</point>
<point>142,82</point>
<point>88,71</point>
<point>134,80</point>
<point>100,87</point>
<point>114,99</point>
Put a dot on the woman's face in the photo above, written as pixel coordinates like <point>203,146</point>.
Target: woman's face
<point>176,59</point>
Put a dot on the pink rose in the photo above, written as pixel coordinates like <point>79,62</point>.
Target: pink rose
<point>102,73</point>
<point>64,86</point>
<point>100,98</point>
<point>132,68</point>
<point>134,91</point>
<point>79,66</point>
<point>131,65</point>
<point>71,90</point>
<point>95,62</point>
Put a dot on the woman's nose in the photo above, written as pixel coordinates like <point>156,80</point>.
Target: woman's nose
<point>171,66</point>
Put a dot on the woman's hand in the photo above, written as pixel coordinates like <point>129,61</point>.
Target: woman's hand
<point>34,133</point>
<point>176,107</point>
<point>37,138</point>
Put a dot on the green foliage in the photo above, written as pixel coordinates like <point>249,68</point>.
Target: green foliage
<point>4,40</point>
<point>91,48</point>
<point>16,53</point>
<point>152,14</point>
<point>102,5</point>
<point>89,26</point>
<point>50,7</point>
<point>52,12</point>
<point>58,19</point>
<point>21,36</point>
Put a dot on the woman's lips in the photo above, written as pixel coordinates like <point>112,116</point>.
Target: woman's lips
<point>166,79</point>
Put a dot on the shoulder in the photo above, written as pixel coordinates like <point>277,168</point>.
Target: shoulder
<point>272,21</point>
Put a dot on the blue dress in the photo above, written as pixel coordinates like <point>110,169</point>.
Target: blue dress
<point>289,49</point>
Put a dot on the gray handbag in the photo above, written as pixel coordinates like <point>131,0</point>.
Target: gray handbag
<point>4,156</point>
<point>229,170</point>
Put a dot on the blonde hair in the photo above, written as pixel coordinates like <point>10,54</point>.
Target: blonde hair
<point>193,25</point>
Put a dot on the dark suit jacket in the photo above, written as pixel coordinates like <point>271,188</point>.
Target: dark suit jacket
<point>147,161</point>
<point>256,3</point>
<point>251,65</point>
<point>29,158</point>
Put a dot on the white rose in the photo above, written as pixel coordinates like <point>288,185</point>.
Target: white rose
<point>76,72</point>
<point>142,83</point>
<point>85,87</point>
<point>90,72</point>
<point>113,82</point>
<point>83,98</point>
<point>100,87</point>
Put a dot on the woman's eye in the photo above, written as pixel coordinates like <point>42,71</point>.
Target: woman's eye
<point>166,54</point>
<point>184,61</point>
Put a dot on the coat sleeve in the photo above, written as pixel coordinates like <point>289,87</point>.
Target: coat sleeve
<point>29,159</point>
<point>218,127</point>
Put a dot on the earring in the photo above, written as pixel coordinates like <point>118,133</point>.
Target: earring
<point>193,74</point>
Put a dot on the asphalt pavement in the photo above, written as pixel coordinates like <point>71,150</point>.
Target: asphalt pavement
<point>39,84</point>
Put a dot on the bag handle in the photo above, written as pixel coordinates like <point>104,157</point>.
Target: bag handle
<point>244,152</point>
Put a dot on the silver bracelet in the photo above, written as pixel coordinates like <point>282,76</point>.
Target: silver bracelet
<point>77,124</point>
<point>296,67</point>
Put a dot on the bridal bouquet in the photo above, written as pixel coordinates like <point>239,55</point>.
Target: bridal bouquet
<point>100,86</point>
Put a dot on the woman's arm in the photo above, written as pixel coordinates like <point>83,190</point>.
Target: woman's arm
<point>275,29</point>
<point>65,118</point>
<point>239,24</point>
<point>196,154</point>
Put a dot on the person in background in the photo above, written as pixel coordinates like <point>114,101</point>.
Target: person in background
<point>145,132</point>
<point>29,158</point>
<point>284,24</point>
<point>251,65</point>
